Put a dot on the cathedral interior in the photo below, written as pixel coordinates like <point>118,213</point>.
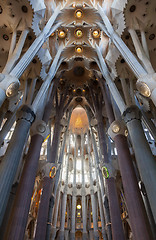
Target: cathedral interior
<point>78,119</point>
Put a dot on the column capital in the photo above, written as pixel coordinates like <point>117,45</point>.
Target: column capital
<point>131,113</point>
<point>39,127</point>
<point>108,171</point>
<point>10,84</point>
<point>146,85</point>
<point>117,128</point>
<point>48,170</point>
<point>25,113</point>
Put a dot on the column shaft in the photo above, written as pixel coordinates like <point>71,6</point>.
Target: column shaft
<point>117,229</point>
<point>136,211</point>
<point>25,189</point>
<point>56,208</point>
<point>145,160</point>
<point>43,209</point>
<point>134,202</point>
<point>12,157</point>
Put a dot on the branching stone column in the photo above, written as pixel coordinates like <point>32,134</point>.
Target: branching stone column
<point>22,202</point>
<point>61,107</point>
<point>57,178</point>
<point>100,204</point>
<point>9,83</point>
<point>93,199</point>
<point>25,117</point>
<point>117,228</point>
<point>136,211</point>
<point>89,217</point>
<point>56,190</point>
<point>55,215</point>
<point>101,186</point>
<point>64,200</point>
<point>146,83</point>
<point>145,160</point>
<point>73,216</point>
<point>83,192</point>
<point>144,157</point>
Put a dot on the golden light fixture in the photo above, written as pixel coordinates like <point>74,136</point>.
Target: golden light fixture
<point>78,13</point>
<point>96,33</point>
<point>78,33</point>
<point>126,133</point>
<point>79,49</point>
<point>61,34</point>
<point>143,89</point>
<point>74,5</point>
<point>115,128</point>
<point>12,89</point>
<point>78,206</point>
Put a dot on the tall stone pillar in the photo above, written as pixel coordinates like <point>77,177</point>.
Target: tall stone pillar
<point>144,157</point>
<point>43,208</point>
<point>55,215</point>
<point>11,160</point>
<point>83,192</point>
<point>117,228</point>
<point>138,221</point>
<point>100,204</point>
<point>101,185</point>
<point>89,218</point>
<point>21,207</point>
<point>72,233</point>
<point>60,109</point>
<point>61,235</point>
<point>93,199</point>
<point>57,180</point>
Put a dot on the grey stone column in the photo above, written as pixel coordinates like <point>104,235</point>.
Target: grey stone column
<point>57,180</point>
<point>72,233</point>
<point>100,204</point>
<point>83,192</point>
<point>43,209</point>
<point>25,117</point>
<point>145,160</point>
<point>55,215</point>
<point>64,200</point>
<point>8,124</point>
<point>89,219</point>
<point>148,209</point>
<point>101,185</point>
<point>93,199</point>
<point>136,211</point>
